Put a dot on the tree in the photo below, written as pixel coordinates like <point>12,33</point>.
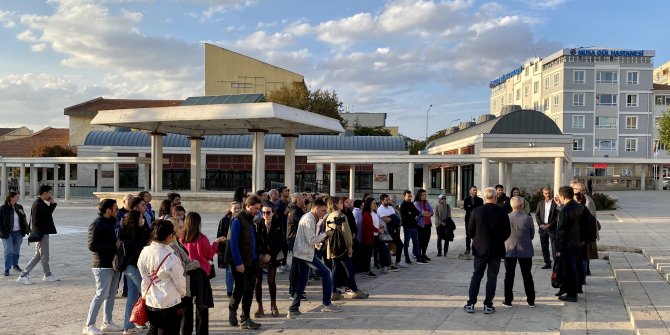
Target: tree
<point>53,151</point>
<point>371,131</point>
<point>320,101</point>
<point>664,129</point>
<point>417,146</point>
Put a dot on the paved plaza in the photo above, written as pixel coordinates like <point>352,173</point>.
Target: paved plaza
<point>421,299</point>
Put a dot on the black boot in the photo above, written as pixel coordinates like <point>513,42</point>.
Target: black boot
<point>232,317</point>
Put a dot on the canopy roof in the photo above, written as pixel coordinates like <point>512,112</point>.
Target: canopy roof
<point>221,119</point>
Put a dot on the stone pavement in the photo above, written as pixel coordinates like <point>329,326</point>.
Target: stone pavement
<point>421,299</point>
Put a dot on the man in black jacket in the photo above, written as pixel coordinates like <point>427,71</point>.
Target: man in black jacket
<point>546,217</point>
<point>502,199</point>
<point>489,227</point>
<point>408,215</point>
<point>42,223</point>
<point>471,202</point>
<point>572,217</point>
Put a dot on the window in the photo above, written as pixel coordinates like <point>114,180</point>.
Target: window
<point>626,173</point>
<point>502,101</point>
<point>578,99</point>
<point>576,172</point>
<point>578,76</point>
<point>631,122</point>
<point>557,78</point>
<point>631,77</point>
<point>607,77</point>
<point>554,99</point>
<point>526,90</point>
<point>578,121</point>
<point>509,98</point>
<point>518,93</point>
<point>546,83</point>
<point>546,104</point>
<point>605,122</point>
<point>494,103</point>
<point>631,144</point>
<point>536,87</point>
<point>662,100</point>
<point>605,144</point>
<point>631,100</point>
<point>578,144</point>
<point>658,146</point>
<point>606,99</point>
<point>536,106</point>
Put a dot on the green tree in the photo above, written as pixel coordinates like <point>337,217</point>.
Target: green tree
<point>371,131</point>
<point>417,146</point>
<point>664,129</point>
<point>53,151</point>
<point>321,102</point>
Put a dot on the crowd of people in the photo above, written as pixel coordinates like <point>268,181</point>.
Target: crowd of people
<point>165,258</point>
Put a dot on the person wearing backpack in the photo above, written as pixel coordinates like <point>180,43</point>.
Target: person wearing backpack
<point>339,248</point>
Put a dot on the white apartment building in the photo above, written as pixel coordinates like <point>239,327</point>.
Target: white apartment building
<point>605,98</point>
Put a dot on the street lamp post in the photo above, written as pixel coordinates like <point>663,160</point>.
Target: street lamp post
<point>427,110</point>
<point>452,122</point>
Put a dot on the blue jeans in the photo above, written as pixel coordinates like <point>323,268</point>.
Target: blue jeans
<point>106,284</point>
<point>302,276</point>
<point>480,265</point>
<point>12,246</point>
<point>326,277</point>
<point>411,234</point>
<point>344,263</point>
<point>134,282</point>
<point>230,280</point>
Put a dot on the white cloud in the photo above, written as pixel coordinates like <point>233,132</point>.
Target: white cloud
<point>7,19</point>
<point>39,47</point>
<point>262,41</point>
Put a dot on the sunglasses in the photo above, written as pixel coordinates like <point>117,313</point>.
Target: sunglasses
<point>267,212</point>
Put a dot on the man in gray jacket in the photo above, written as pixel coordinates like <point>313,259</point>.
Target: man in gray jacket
<point>519,247</point>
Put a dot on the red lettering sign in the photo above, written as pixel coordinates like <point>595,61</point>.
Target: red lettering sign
<point>600,165</point>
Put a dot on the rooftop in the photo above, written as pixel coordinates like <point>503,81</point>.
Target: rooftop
<point>91,107</point>
<point>23,146</point>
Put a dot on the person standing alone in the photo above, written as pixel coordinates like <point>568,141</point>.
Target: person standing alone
<point>471,202</point>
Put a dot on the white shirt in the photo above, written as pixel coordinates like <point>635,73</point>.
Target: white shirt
<point>170,284</point>
<point>376,221</point>
<point>385,211</point>
<point>547,209</point>
<point>16,221</point>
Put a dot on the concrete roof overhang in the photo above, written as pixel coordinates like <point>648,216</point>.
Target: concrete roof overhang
<point>385,158</point>
<point>221,119</point>
<point>77,160</point>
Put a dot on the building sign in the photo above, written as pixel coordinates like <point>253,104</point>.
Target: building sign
<point>381,177</point>
<point>607,52</point>
<point>506,76</point>
<point>107,174</point>
<point>599,165</point>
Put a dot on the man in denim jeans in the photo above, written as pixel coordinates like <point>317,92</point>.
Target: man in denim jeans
<point>408,214</point>
<point>305,257</point>
<point>489,227</point>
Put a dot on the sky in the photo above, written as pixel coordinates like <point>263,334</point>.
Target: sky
<point>397,57</point>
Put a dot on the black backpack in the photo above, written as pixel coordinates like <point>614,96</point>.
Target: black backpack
<point>336,242</point>
<point>589,227</point>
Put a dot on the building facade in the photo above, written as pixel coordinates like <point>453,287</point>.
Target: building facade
<point>604,98</point>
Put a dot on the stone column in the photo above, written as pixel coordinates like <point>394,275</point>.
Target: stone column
<point>352,181</point>
<point>410,177</point>
<point>509,168</point>
<point>98,178</point>
<point>116,177</point>
<point>443,182</point>
<point>4,181</point>
<point>558,171</point>
<point>289,160</point>
<point>426,177</point>
<point>502,175</point>
<point>22,180</point>
<point>33,180</point>
<point>459,185</point>
<point>258,159</point>
<point>196,157</point>
<point>157,161</point>
<point>67,181</point>
<point>319,173</point>
<point>55,181</point>
<point>485,173</point>
<point>643,177</point>
<point>333,172</point>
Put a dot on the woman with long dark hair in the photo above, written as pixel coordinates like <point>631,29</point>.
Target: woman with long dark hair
<point>135,235</point>
<point>270,239</point>
<point>199,249</point>
<point>13,227</point>
<point>165,211</point>
<point>368,233</point>
<point>423,220</point>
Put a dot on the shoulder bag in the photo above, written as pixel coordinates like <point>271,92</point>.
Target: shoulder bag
<point>139,314</point>
<point>120,261</point>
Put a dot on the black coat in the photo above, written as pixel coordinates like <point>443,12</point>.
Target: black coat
<point>41,217</point>
<point>7,220</point>
<point>489,227</point>
<point>469,204</point>
<point>572,217</point>
<point>223,230</point>
<point>553,215</point>
<point>102,242</point>
<point>134,238</point>
<point>270,242</point>
<point>408,214</point>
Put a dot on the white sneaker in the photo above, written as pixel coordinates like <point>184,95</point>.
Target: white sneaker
<point>24,280</point>
<point>92,330</point>
<point>280,269</point>
<point>401,265</point>
<point>332,308</point>
<point>385,270</point>
<point>51,278</point>
<point>133,331</point>
<point>110,327</point>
